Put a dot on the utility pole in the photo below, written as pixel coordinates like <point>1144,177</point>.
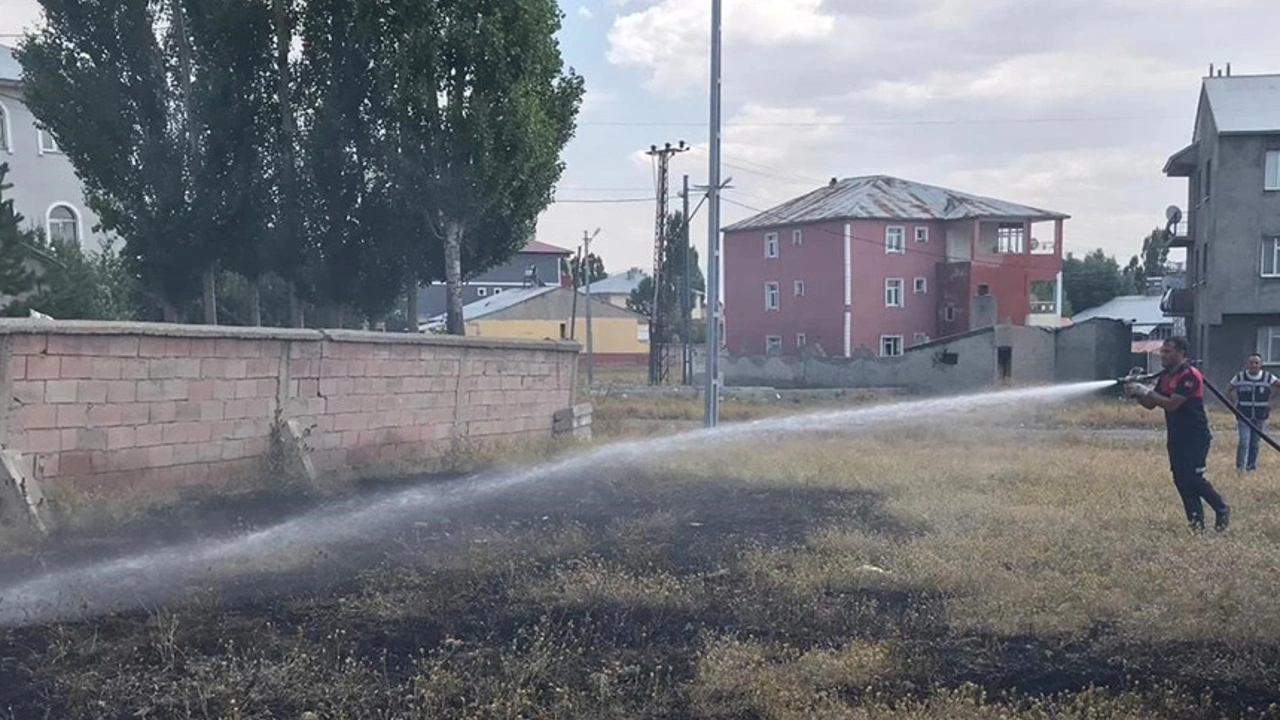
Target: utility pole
<point>711,383</point>
<point>686,309</point>
<point>591,359</point>
<point>657,329</point>
<point>575,279</point>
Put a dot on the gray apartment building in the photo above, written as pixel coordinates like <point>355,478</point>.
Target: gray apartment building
<point>537,263</point>
<point>1231,226</point>
<point>45,188</point>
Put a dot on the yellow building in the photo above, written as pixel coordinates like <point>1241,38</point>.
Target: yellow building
<point>548,313</point>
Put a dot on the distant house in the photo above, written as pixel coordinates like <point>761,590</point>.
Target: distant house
<point>549,313</point>
<point>536,265</point>
<point>1231,227</point>
<point>617,290</point>
<point>1149,325</point>
<point>886,264</point>
<point>46,191</point>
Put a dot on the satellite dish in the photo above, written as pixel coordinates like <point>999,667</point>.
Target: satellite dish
<point>1173,214</point>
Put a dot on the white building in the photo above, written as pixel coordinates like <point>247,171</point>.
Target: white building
<point>45,188</point>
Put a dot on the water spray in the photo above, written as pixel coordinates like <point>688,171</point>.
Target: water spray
<point>166,574</point>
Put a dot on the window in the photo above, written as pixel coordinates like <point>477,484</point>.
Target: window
<point>64,224</point>
<point>564,331</point>
<point>893,292</point>
<point>1271,257</point>
<point>771,245</point>
<point>773,344</point>
<point>4,131</point>
<point>1271,179</point>
<point>799,288</point>
<point>949,314</point>
<point>482,292</point>
<point>984,289</point>
<point>894,239</point>
<point>771,296</point>
<point>797,237</point>
<point>890,345</point>
<point>801,340</point>
<point>1208,178</point>
<point>1268,344</point>
<point>922,234</point>
<point>920,339</point>
<point>1009,238</point>
<point>921,286</point>
<point>47,143</point>
<point>496,291</point>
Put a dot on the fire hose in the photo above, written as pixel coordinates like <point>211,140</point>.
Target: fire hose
<point>1140,375</point>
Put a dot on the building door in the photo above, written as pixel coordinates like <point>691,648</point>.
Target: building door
<point>959,246</point>
<point>1004,358</point>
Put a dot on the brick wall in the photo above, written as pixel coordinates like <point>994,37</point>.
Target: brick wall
<point>103,408</point>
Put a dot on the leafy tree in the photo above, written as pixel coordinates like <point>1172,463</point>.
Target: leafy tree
<point>589,268</point>
<point>1091,281</point>
<point>496,109</point>
<point>16,277</point>
<point>671,299</point>
<point>1153,262</point>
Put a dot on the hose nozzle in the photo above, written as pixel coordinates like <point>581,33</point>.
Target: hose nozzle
<point>1138,375</point>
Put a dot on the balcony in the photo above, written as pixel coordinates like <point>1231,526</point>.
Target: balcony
<point>1182,235</point>
<point>1177,302</point>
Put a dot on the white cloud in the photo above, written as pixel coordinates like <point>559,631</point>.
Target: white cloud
<point>17,16</point>
<point>672,39</point>
<point>585,12</point>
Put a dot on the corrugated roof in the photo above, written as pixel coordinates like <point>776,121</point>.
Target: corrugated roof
<point>880,197</point>
<point>1142,311</point>
<point>542,248</point>
<point>1244,103</point>
<point>623,283</point>
<point>495,303</point>
<point>9,68</point>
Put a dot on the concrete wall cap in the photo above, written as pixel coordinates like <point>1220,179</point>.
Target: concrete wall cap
<point>24,326</point>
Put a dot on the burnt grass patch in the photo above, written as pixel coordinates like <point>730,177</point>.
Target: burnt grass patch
<point>581,599</point>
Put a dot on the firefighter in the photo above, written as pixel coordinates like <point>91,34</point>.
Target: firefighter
<point>1180,393</point>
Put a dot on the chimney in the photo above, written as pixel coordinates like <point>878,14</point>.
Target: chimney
<point>1228,69</point>
<point>833,182</point>
<point>1210,69</point>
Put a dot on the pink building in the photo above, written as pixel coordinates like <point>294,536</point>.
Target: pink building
<point>885,264</point>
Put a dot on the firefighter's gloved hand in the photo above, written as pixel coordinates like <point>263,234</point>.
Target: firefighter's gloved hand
<point>1137,390</point>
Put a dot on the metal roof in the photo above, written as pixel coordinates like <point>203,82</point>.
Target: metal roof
<point>880,197</point>
<point>1244,103</point>
<point>620,284</point>
<point>495,303</point>
<point>1141,311</point>
<point>541,248</point>
<point>9,68</point>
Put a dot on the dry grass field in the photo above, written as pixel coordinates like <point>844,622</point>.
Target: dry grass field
<point>962,568</point>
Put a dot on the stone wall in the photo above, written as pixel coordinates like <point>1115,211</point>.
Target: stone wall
<point>961,363</point>
<point>97,408</point>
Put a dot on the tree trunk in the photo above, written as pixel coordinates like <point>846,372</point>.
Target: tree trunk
<point>209,298</point>
<point>296,318</point>
<point>411,307</point>
<point>255,302</point>
<point>340,315</point>
<point>453,279</point>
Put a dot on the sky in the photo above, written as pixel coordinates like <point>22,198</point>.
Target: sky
<point>1067,105</point>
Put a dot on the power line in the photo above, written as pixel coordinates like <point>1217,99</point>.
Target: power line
<point>891,123</point>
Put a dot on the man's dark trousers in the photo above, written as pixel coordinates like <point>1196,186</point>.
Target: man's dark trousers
<point>1187,460</point>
